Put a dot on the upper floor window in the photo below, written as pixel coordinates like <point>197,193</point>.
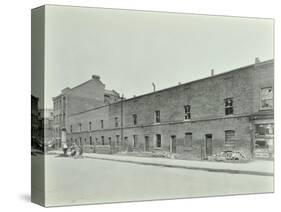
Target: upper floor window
<point>80,127</point>
<point>228,106</point>
<point>135,119</point>
<point>187,114</point>
<point>116,121</point>
<point>101,124</point>
<point>266,97</point>
<point>90,126</point>
<point>157,116</point>
<point>71,128</point>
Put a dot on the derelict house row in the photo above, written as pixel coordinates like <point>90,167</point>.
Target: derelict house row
<point>229,111</point>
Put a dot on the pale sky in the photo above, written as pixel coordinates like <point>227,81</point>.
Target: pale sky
<point>131,49</point>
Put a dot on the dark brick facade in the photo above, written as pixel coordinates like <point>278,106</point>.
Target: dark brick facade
<point>203,134</point>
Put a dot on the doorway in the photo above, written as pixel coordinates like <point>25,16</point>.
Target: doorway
<point>173,145</point>
<point>208,144</point>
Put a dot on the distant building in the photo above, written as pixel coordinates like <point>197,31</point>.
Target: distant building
<point>46,119</point>
<point>229,111</point>
<point>88,95</point>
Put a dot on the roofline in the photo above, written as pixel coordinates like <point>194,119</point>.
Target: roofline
<point>194,81</point>
<point>184,84</point>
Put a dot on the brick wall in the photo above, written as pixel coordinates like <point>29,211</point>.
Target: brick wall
<point>206,98</point>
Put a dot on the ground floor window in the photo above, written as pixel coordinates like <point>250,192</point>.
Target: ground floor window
<point>117,140</point>
<point>158,140</point>
<point>188,139</point>
<point>229,138</point>
<point>102,140</point>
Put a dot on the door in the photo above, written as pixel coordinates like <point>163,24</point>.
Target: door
<point>208,145</point>
<point>146,144</point>
<point>173,145</point>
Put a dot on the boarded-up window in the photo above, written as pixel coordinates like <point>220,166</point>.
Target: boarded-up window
<point>117,140</point>
<point>109,141</point>
<point>188,139</point>
<point>229,138</point>
<point>266,98</point>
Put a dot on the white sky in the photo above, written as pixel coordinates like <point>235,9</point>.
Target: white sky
<point>132,49</point>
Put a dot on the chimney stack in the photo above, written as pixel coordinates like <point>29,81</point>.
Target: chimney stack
<point>212,72</point>
<point>97,77</point>
<point>257,60</point>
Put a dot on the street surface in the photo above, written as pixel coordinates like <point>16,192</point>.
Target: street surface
<point>85,181</point>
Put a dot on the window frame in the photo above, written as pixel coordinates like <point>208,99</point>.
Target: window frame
<point>187,112</point>
<point>157,140</point>
<point>261,99</point>
<point>228,109</point>
<point>135,119</point>
<point>227,141</point>
<point>157,116</point>
<point>116,122</point>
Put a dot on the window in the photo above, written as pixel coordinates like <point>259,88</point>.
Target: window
<point>117,140</point>
<point>266,97</point>
<point>102,140</point>
<point>71,128</point>
<point>187,115</point>
<point>101,124</point>
<point>91,142</point>
<point>228,106</point>
<point>264,129</point>
<point>229,138</point>
<point>80,127</point>
<point>188,139</point>
<point>157,116</point>
<point>135,119</point>
<point>135,141</point>
<point>116,121</point>
<point>158,140</point>
<point>90,126</point>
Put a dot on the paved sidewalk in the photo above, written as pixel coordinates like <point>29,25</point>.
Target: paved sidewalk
<point>258,167</point>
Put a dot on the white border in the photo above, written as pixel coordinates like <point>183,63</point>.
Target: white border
<point>15,103</point>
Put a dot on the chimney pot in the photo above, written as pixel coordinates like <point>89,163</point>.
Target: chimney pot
<point>257,60</point>
<point>97,77</point>
<point>212,72</point>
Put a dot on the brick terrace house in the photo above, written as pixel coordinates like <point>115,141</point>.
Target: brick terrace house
<point>88,95</point>
<point>228,111</point>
